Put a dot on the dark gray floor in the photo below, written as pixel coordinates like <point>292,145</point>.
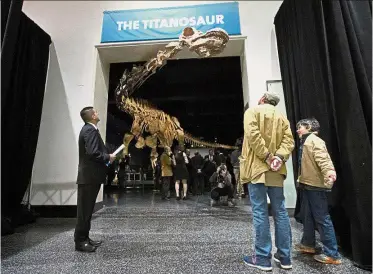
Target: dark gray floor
<point>143,234</point>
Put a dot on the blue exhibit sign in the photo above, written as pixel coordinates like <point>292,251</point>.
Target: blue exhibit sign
<point>168,23</point>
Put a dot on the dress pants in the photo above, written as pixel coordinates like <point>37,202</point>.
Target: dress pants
<point>218,192</point>
<point>166,181</point>
<point>87,195</point>
<point>198,183</point>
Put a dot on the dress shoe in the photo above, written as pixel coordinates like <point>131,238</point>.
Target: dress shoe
<point>95,243</point>
<point>85,247</point>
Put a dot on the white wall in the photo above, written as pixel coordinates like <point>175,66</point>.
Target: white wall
<point>202,151</point>
<point>75,27</point>
<point>257,24</point>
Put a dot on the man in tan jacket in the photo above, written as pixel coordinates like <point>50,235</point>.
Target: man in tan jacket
<point>268,143</point>
<point>316,177</point>
<point>167,160</point>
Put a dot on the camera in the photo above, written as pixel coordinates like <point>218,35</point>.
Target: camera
<point>220,178</point>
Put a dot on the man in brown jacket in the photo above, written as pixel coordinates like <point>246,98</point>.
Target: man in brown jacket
<point>316,178</point>
<point>167,159</point>
<point>268,143</point>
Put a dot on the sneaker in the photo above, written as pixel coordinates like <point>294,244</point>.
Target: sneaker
<point>231,204</point>
<point>305,249</point>
<point>252,261</point>
<point>284,263</point>
<point>178,198</point>
<point>214,203</point>
<point>322,258</point>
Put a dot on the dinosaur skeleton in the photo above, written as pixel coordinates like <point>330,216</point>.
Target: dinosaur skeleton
<point>159,125</point>
<point>147,118</point>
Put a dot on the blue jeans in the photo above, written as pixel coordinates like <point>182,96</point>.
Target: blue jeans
<point>315,213</point>
<point>263,243</point>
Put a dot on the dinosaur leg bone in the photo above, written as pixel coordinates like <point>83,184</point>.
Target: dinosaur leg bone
<point>126,141</point>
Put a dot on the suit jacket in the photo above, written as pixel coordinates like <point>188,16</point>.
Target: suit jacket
<point>209,167</point>
<point>215,158</point>
<point>93,156</point>
<point>197,162</point>
<point>220,159</point>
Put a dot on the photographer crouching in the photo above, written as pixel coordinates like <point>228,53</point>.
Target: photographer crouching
<point>221,182</point>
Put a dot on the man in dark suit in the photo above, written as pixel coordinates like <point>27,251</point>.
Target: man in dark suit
<point>209,167</point>
<point>92,170</point>
<point>212,158</point>
<point>220,158</point>
<point>198,179</point>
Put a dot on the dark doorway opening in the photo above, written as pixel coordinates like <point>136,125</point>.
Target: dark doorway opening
<point>205,95</point>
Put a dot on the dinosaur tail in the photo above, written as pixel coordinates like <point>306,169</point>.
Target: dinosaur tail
<point>195,141</point>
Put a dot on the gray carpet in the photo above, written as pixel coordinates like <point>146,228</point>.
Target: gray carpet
<point>143,234</point>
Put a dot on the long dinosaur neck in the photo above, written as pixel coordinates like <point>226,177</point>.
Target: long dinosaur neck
<point>208,44</point>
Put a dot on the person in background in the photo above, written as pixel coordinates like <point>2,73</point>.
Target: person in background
<point>236,168</point>
<point>229,165</point>
<point>211,157</point>
<point>158,175</point>
<point>219,158</point>
<point>316,178</point>
<point>153,161</point>
<point>111,174</point>
<point>167,160</point>
<point>198,180</point>
<point>268,143</point>
<point>190,171</point>
<point>123,162</point>
<point>181,172</point>
<point>223,158</point>
<point>92,170</point>
<point>221,181</point>
<point>209,167</point>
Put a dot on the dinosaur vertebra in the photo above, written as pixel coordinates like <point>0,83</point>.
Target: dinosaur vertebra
<point>147,118</point>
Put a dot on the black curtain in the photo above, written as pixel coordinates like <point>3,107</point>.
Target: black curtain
<point>325,57</point>
<point>10,17</point>
<point>22,101</point>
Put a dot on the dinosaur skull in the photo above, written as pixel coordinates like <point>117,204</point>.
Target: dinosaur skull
<point>213,42</point>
